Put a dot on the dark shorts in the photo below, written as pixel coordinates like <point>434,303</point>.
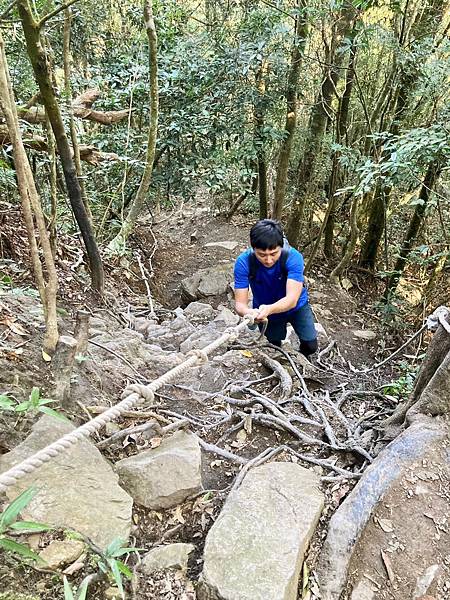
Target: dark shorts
<point>302,320</point>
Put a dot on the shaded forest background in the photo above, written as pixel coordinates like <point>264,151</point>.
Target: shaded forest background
<point>331,116</point>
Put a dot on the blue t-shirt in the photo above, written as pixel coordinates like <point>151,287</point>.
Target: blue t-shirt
<point>269,284</point>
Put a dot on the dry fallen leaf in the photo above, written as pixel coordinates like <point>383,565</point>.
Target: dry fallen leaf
<point>246,353</point>
<point>386,525</point>
<point>241,436</point>
<point>15,327</point>
<point>46,356</point>
<point>178,515</point>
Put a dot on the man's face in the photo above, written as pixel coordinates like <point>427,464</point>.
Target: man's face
<point>268,257</point>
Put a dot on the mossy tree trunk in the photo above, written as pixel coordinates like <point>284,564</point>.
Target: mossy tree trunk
<point>42,72</point>
<point>300,37</point>
<point>319,117</point>
<point>415,224</point>
<point>340,137</point>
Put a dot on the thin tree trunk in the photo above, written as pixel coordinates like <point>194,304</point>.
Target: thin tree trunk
<point>341,135</point>
<point>300,36</point>
<point>320,115</point>
<point>354,233</point>
<point>42,73</point>
<point>68,92</point>
<point>53,188</point>
<point>420,24</point>
<point>258,111</point>
<point>118,243</point>
<point>32,208</point>
<point>415,224</point>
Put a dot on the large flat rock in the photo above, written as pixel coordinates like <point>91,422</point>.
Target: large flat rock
<point>78,489</point>
<point>165,476</point>
<point>255,549</point>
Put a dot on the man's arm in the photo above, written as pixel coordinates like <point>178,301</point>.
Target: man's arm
<point>293,291</point>
<point>241,302</point>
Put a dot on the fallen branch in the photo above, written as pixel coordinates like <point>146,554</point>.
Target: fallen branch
<point>221,452</point>
<point>131,414</point>
<point>159,431</point>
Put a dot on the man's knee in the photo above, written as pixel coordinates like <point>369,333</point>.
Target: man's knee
<point>308,347</point>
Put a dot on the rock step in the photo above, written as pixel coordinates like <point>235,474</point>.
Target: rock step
<point>255,549</point>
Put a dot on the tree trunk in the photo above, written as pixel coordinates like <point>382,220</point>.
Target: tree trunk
<point>42,73</point>
<point>258,113</point>
<point>318,121</point>
<point>300,36</point>
<point>415,224</point>
<point>375,228</point>
<point>117,244</point>
<point>32,209</point>
<point>354,233</point>
<point>341,137</point>
<point>68,92</point>
<point>53,189</point>
<point>421,23</point>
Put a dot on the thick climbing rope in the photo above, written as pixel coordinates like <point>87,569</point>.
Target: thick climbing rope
<point>130,397</point>
<point>135,392</point>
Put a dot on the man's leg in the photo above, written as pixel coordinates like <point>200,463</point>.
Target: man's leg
<point>302,320</point>
<point>276,331</point>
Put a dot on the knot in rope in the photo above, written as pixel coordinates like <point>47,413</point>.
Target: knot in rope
<point>438,317</point>
<point>200,354</point>
<point>139,389</point>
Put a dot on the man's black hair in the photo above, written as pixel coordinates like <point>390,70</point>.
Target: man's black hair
<point>266,235</point>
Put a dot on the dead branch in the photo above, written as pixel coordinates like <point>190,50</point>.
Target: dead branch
<point>132,414</point>
<point>81,108</point>
<point>145,428</point>
<point>221,452</point>
<point>89,154</point>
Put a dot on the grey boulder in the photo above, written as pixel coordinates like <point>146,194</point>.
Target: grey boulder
<point>255,549</point>
<point>163,477</point>
<point>77,489</point>
<point>172,556</point>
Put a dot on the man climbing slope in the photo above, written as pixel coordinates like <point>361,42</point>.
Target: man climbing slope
<point>274,272</point>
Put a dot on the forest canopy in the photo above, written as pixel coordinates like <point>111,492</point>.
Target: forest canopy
<point>330,116</point>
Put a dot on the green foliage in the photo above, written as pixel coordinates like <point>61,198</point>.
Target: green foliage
<point>9,523</point>
<point>402,387</point>
<point>34,404</point>
<point>109,562</point>
<point>70,594</point>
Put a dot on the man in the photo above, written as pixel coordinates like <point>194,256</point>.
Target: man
<point>274,272</point>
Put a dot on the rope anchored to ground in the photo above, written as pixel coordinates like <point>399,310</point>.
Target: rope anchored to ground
<point>131,396</point>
